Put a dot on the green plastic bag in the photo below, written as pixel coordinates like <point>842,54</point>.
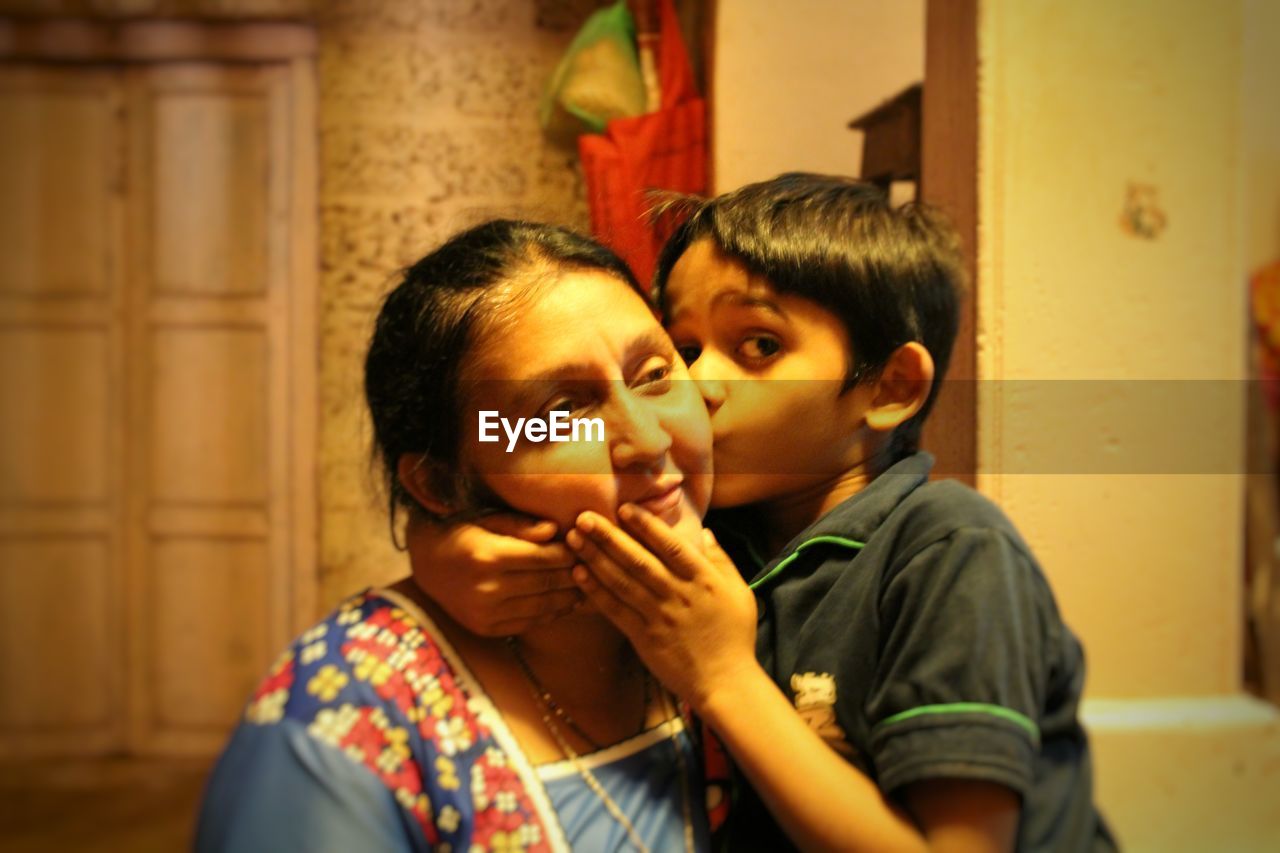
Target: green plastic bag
<point>598,79</point>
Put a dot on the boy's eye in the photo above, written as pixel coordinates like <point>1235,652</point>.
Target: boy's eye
<point>689,354</point>
<point>760,346</point>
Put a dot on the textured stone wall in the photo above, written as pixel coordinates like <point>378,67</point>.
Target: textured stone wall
<point>427,125</point>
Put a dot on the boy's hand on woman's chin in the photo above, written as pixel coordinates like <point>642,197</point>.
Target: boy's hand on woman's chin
<point>684,607</point>
<point>499,575</point>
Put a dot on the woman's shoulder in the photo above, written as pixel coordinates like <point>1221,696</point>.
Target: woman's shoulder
<point>372,674</point>
<point>373,681</point>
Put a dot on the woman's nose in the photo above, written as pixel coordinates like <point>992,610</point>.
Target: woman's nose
<point>711,384</point>
<point>639,439</point>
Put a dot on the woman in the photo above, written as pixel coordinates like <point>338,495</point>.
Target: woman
<point>389,725</point>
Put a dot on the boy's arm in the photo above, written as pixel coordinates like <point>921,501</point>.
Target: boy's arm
<point>825,803</point>
<point>692,620</point>
<point>965,814</point>
<point>498,575</point>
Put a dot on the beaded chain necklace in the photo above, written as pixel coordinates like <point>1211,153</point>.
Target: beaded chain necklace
<point>550,709</point>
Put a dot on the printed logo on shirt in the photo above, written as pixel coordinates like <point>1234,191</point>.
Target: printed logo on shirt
<point>815,700</point>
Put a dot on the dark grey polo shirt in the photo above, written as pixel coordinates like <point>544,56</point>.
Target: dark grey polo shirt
<point>914,631</point>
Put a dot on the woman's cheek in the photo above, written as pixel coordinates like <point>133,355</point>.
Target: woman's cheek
<point>685,419</point>
<point>691,453</point>
<point>555,481</point>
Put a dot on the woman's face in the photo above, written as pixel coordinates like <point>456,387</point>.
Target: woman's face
<point>588,346</point>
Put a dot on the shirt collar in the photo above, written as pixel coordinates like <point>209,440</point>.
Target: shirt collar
<point>858,517</point>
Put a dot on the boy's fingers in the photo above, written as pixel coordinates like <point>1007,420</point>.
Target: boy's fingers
<point>520,526</point>
<point>624,582</point>
<point>628,620</point>
<point>538,584</point>
<point>659,538</point>
<point>525,556</point>
<point>637,566</point>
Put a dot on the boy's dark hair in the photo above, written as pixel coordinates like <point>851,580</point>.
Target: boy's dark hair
<point>426,330</point>
<point>891,275</point>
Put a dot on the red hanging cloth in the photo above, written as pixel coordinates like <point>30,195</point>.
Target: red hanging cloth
<point>662,150</point>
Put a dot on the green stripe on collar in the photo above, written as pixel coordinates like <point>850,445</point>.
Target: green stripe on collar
<point>790,558</point>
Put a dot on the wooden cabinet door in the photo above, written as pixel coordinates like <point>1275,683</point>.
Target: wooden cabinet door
<point>155,402</point>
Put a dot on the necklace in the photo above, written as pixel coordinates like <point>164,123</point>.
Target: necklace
<point>548,709</point>
<point>547,701</point>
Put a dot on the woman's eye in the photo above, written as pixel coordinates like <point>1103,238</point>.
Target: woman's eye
<point>689,354</point>
<point>657,372</point>
<point>564,404</point>
<point>760,346</point>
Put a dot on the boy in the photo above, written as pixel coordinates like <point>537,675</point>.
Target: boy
<point>915,686</point>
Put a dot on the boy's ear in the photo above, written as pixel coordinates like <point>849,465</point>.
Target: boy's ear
<point>413,470</point>
<point>902,388</point>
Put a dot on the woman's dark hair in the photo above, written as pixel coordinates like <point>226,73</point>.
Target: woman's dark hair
<point>427,327</point>
<point>891,275</point>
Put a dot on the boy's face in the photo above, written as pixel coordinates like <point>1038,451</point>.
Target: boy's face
<point>770,367</point>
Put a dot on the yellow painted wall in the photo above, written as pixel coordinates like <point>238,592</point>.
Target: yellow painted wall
<point>790,76</point>
<point>1260,137</point>
<point>1079,101</point>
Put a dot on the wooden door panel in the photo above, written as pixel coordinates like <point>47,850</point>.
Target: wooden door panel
<point>209,423</point>
<point>210,154</point>
<point>58,658</point>
<point>58,156</point>
<point>55,414</point>
<point>61,383</point>
<point>211,192</point>
<point>208,615</point>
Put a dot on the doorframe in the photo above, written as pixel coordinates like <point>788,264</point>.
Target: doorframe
<point>949,173</point>
<point>79,40</point>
